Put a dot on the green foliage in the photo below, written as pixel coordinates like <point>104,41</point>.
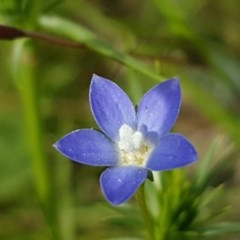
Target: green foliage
<point>14,170</point>
<point>137,43</point>
<point>186,211</point>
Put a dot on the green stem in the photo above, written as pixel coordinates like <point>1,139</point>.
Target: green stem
<point>23,69</point>
<point>145,213</point>
<point>24,76</point>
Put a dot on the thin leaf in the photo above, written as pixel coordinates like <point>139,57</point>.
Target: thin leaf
<point>220,228</point>
<point>202,173</point>
<point>84,36</point>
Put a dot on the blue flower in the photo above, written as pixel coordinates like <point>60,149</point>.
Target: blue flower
<point>131,142</point>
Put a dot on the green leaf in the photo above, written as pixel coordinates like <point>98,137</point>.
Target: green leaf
<point>209,195</point>
<point>202,173</point>
<point>220,229</point>
<point>84,36</point>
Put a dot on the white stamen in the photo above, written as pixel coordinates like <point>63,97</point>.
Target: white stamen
<point>133,149</point>
<point>129,140</point>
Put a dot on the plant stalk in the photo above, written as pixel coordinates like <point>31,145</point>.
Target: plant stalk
<point>148,220</point>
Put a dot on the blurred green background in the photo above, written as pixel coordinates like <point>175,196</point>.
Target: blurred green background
<point>199,41</point>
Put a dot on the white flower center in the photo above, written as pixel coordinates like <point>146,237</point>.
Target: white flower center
<point>134,150</point>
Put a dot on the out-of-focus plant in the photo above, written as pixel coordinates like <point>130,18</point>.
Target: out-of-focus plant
<point>24,14</point>
<point>177,206</point>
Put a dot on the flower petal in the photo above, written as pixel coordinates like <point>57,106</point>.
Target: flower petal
<point>120,183</point>
<point>173,151</point>
<point>89,147</point>
<point>159,107</point>
<point>110,106</point>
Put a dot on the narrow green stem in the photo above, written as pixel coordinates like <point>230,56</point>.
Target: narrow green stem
<point>24,75</point>
<point>145,212</point>
<point>23,69</point>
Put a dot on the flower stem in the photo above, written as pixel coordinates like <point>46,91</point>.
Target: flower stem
<point>23,70</point>
<point>145,212</point>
